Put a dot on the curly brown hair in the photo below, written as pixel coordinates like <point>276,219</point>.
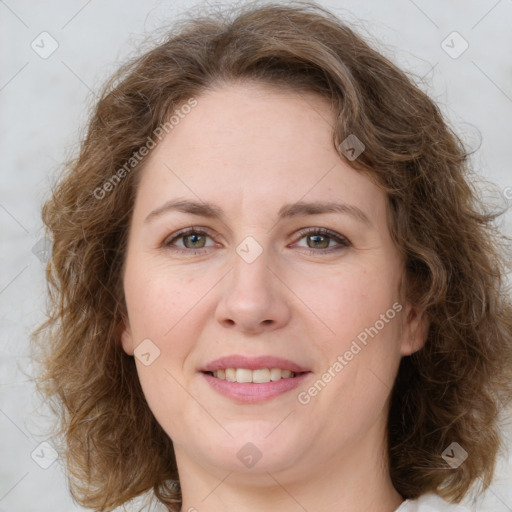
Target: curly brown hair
<point>453,389</point>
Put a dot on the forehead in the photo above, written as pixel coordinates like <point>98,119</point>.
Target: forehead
<point>236,122</point>
<point>252,145</point>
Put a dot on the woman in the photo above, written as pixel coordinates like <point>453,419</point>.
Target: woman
<point>273,286</point>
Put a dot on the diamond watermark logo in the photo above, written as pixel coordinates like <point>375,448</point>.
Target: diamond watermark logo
<point>455,455</point>
<point>249,455</point>
<point>43,249</point>
<point>44,455</point>
<point>249,250</point>
<point>44,45</point>
<point>147,352</point>
<point>454,45</point>
<point>351,147</point>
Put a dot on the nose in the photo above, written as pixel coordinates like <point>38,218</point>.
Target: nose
<point>254,297</point>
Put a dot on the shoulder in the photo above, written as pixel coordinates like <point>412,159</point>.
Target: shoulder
<point>430,503</point>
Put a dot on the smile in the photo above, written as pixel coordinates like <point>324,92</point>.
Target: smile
<point>252,379</point>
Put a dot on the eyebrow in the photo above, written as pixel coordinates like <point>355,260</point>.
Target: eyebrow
<point>301,208</point>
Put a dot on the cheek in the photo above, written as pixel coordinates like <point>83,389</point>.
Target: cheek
<point>361,359</point>
<point>350,302</point>
<point>164,396</point>
<point>157,300</point>
<point>162,308</point>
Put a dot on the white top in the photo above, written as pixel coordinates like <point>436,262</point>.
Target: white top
<point>430,503</point>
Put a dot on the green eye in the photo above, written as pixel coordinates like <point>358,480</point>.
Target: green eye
<point>195,241</point>
<point>319,240</point>
<point>192,239</point>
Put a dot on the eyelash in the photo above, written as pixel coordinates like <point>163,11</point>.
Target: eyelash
<point>342,241</point>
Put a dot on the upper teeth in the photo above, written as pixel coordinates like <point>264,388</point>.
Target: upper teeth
<point>259,376</point>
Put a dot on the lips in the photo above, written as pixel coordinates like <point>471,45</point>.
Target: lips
<point>269,377</point>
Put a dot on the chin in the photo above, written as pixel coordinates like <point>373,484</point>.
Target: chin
<point>253,454</point>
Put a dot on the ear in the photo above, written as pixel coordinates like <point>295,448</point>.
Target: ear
<point>415,330</point>
<point>126,336</point>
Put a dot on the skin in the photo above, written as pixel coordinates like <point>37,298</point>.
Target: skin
<point>251,149</point>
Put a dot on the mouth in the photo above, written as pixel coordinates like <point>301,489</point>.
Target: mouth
<point>253,379</point>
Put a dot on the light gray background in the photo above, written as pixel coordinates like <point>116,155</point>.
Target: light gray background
<point>44,105</point>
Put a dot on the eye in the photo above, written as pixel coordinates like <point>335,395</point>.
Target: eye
<point>318,240</point>
<point>323,240</point>
<point>193,239</point>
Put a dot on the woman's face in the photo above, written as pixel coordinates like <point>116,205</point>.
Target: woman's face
<point>229,270</point>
